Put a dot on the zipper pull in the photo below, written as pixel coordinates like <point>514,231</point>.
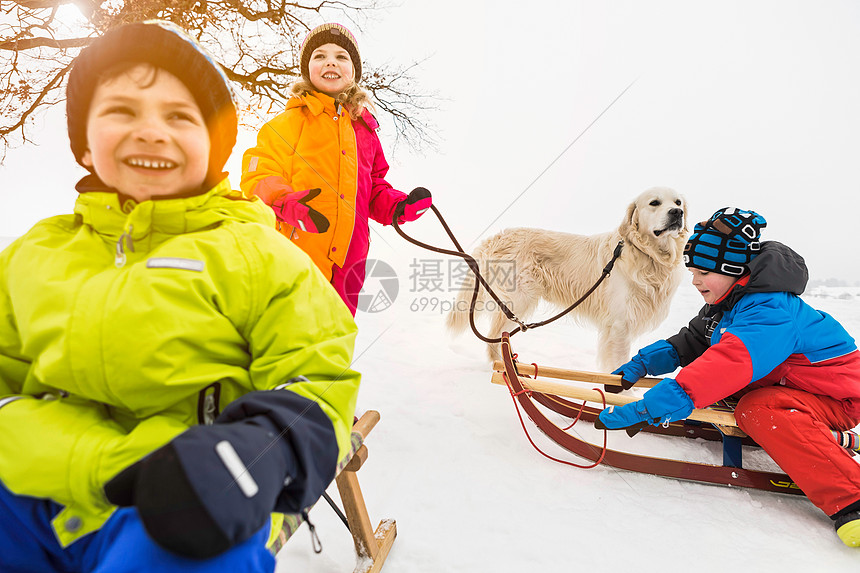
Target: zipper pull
<point>315,538</point>
<point>120,259</point>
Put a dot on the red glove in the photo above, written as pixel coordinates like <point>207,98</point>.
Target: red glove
<point>290,206</point>
<point>293,209</point>
<point>418,201</point>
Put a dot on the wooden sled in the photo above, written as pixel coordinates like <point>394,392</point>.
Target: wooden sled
<point>722,419</point>
<point>551,394</point>
<point>371,546</point>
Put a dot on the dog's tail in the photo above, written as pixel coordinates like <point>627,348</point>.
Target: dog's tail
<point>458,318</point>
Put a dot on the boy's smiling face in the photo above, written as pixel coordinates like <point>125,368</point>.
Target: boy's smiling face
<point>146,136</point>
<point>330,69</point>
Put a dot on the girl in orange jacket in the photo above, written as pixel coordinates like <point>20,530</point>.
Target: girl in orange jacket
<point>320,164</point>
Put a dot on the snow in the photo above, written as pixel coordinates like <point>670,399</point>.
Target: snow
<point>736,103</point>
<point>449,462</point>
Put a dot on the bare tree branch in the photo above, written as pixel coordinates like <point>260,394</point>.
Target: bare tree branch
<point>30,43</point>
<point>256,41</point>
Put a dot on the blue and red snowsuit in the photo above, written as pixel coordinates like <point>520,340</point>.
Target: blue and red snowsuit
<point>797,368</point>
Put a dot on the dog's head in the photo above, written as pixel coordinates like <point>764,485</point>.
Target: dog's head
<point>656,219</point>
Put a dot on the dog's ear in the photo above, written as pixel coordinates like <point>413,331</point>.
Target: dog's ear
<point>630,222</point>
<point>686,230</point>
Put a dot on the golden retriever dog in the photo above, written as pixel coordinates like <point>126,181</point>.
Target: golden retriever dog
<point>560,267</point>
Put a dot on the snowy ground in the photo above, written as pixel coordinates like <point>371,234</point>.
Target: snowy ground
<point>735,103</point>
<point>450,463</point>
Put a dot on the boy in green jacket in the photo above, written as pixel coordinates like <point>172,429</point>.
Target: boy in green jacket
<point>172,369</point>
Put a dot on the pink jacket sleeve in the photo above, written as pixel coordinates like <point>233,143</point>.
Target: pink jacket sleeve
<point>383,197</point>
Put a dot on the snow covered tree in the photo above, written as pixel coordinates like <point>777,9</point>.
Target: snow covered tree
<point>256,41</point>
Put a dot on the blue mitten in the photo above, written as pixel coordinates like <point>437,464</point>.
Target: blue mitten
<point>665,402</point>
<point>657,358</point>
<point>630,373</point>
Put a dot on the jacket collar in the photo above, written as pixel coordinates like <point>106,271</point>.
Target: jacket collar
<point>318,102</point>
<point>113,215</point>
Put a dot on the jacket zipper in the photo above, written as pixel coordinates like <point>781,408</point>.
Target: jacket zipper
<point>120,259</point>
<point>208,404</point>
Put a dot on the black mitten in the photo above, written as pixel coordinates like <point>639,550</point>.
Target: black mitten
<point>213,487</point>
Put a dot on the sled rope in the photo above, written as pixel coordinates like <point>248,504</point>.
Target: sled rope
<point>581,406</point>
<point>507,375</point>
<point>473,266</point>
<point>336,509</point>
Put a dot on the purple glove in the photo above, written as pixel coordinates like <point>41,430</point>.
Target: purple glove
<point>418,201</point>
<point>293,209</point>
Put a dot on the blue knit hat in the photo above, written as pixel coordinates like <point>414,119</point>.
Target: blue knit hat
<point>726,242</point>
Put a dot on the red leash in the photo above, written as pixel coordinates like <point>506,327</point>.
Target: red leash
<point>535,446</point>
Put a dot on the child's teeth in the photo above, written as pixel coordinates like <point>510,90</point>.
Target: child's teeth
<point>150,164</point>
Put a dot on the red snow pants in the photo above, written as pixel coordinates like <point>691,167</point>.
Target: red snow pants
<point>793,427</point>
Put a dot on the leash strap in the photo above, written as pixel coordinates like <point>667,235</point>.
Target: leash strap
<point>473,265</point>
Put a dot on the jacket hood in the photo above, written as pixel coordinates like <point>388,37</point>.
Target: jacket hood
<point>777,268</point>
<point>113,216</point>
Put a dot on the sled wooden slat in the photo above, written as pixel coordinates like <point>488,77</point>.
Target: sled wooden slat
<point>726,419</point>
<point>731,474</point>
<point>577,375</point>
<point>371,545</point>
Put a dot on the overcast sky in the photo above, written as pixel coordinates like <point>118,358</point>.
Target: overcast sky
<point>745,103</point>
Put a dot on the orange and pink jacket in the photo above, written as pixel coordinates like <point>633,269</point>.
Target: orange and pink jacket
<point>314,144</point>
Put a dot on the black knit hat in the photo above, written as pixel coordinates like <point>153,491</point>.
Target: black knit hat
<point>726,242</point>
<point>329,34</point>
<point>167,47</point>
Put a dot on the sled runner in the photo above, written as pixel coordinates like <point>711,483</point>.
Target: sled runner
<point>711,424</point>
<point>371,546</point>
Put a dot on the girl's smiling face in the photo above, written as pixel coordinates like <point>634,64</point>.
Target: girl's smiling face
<point>146,136</point>
<point>330,69</point>
<point>712,286</point>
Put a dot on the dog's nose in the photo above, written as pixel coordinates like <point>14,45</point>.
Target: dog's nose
<point>676,212</point>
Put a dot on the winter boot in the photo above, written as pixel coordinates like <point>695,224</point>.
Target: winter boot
<point>848,528</point>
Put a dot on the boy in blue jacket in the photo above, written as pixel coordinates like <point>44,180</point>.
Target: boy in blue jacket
<point>797,368</point>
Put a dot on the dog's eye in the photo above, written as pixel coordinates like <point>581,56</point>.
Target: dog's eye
<point>677,202</point>
<point>654,203</point>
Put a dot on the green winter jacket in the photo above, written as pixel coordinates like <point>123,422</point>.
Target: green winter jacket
<point>124,324</point>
